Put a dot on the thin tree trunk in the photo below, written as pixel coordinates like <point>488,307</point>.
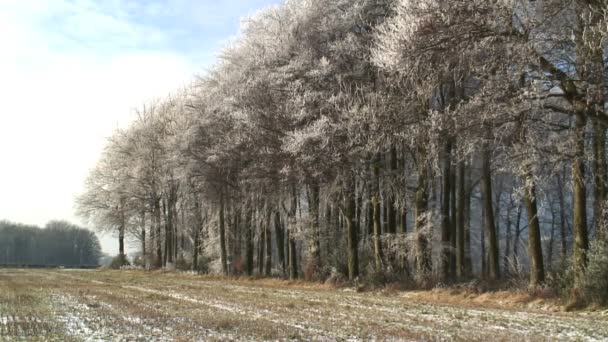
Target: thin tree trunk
<point>493,261</point>
<point>293,261</point>
<point>517,239</point>
<point>249,226</point>
<point>390,199</point>
<point>197,229</point>
<point>505,264</point>
<point>460,222</point>
<point>315,244</point>
<point>143,235</point>
<point>352,232</point>
<point>468,261</point>
<point>268,237</point>
<point>453,222</point>
<point>551,240</point>
<point>222,229</point>
<point>158,237</point>
<point>280,240</point>
<point>562,221</point>
<point>423,260</point>
<point>444,261</point>
<point>377,223</point>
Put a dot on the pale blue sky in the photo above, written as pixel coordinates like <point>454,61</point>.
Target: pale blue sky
<point>71,71</point>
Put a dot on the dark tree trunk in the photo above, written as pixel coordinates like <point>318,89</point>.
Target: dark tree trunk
<point>369,220</point>
<point>169,230</point>
<point>268,238</point>
<point>391,222</point>
<point>315,243</point>
<point>352,232</point>
<point>444,261</point>
<point>249,226</point>
<point>158,237</point>
<point>468,261</point>
<point>293,260</point>
<point>222,231</point>
<point>599,171</point>
<point>517,239</point>
<point>378,256</point>
<point>460,222</point>
<point>453,222</point>
<point>280,240</point>
<point>196,233</point>
<point>143,235</point>
<point>423,260</point>
<point>562,221</point>
<point>493,261</point>
<point>535,252</point>
<point>507,256</point>
<point>579,197</point>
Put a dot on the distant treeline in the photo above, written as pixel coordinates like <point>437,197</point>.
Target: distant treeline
<point>60,243</point>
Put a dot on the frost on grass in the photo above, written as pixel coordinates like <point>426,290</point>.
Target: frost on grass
<point>138,306</point>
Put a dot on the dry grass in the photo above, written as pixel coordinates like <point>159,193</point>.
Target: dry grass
<point>511,300</point>
<point>162,306</point>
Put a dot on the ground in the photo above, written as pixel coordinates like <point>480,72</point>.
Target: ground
<point>66,305</point>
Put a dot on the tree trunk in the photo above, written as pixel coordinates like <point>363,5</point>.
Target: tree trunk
<point>423,260</point>
<point>280,240</point>
<point>562,221</point>
<point>551,240</point>
<point>169,230</point>
<point>249,226</point>
<point>468,261</point>
<point>444,261</point>
<point>516,240</point>
<point>196,233</point>
<point>391,227</point>
<point>293,260</point>
<point>261,241</point>
<point>268,237</point>
<point>453,223</point>
<point>143,235</point>
<point>493,261</point>
<point>158,237</point>
<point>599,171</point>
<point>378,256</point>
<point>352,232</point>
<point>460,230</point>
<point>369,219</point>
<point>579,197</point>
<point>222,232</point>
<point>315,242</point>
<point>535,252</point>
<point>505,260</point>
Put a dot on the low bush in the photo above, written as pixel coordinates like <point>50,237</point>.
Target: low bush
<point>119,261</point>
<point>595,283</point>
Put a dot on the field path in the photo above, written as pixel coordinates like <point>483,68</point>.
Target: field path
<point>138,306</point>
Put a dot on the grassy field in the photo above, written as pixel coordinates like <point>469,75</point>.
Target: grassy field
<point>65,305</point>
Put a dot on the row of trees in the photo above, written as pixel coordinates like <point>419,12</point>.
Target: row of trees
<point>58,244</point>
<point>424,139</point>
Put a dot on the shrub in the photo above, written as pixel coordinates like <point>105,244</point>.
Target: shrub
<point>182,264</point>
<point>138,260</point>
<point>203,264</point>
<point>119,261</point>
<point>562,281</point>
<point>595,283</point>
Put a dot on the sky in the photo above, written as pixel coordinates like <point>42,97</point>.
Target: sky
<point>72,71</point>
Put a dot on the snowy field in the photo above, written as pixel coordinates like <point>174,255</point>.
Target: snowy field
<point>63,305</point>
